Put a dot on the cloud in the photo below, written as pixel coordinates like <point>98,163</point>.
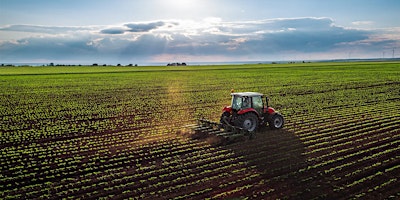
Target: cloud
<point>45,29</point>
<point>113,31</point>
<point>135,27</point>
<point>138,27</point>
<point>269,39</point>
<point>46,48</point>
<point>362,23</point>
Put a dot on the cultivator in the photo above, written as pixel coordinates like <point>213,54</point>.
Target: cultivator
<point>225,133</point>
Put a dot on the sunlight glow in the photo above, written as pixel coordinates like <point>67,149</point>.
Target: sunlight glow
<point>185,9</point>
<point>181,4</point>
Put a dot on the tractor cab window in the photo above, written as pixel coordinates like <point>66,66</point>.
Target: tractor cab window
<point>241,102</point>
<point>258,103</point>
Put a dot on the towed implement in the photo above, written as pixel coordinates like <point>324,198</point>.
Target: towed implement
<point>248,112</point>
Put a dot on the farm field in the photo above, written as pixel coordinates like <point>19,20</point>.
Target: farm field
<point>114,132</point>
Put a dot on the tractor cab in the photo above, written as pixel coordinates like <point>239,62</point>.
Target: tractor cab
<point>246,100</point>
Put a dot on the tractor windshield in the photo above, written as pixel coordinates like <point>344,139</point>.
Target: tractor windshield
<point>236,102</point>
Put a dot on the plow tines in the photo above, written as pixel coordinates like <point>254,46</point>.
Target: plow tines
<point>205,122</point>
<point>220,132</point>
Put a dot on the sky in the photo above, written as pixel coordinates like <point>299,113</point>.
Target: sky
<point>164,31</point>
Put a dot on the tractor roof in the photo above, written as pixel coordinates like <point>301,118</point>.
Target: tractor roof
<point>247,94</point>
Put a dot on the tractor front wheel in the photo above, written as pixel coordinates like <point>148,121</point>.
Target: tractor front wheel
<point>248,121</point>
<point>276,121</point>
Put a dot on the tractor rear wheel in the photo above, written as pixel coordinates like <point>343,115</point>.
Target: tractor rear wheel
<point>276,121</point>
<point>248,121</point>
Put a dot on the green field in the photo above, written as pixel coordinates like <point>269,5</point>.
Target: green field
<point>112,132</point>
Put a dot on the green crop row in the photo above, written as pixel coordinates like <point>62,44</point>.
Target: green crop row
<point>98,132</point>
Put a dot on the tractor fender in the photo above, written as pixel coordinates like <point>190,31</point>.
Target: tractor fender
<point>271,111</point>
<point>270,115</point>
<point>227,109</point>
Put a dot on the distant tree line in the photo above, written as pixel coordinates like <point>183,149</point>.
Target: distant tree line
<point>61,65</point>
<point>176,64</point>
<point>118,65</point>
<point>7,65</point>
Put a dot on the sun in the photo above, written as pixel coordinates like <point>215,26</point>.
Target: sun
<point>183,9</point>
<point>181,4</point>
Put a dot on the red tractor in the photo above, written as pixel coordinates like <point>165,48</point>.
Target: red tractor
<point>249,111</point>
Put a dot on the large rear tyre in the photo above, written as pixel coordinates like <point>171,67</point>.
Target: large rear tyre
<point>276,121</point>
<point>248,121</point>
